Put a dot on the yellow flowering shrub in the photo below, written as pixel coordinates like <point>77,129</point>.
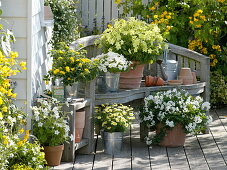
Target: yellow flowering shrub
<point>113,118</point>
<point>16,151</point>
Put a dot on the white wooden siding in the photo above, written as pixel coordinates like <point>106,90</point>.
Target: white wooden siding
<point>24,18</point>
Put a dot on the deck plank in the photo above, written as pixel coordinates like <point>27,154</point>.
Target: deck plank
<point>210,149</point>
<point>195,154</point>
<point>123,159</point>
<point>140,153</point>
<point>102,161</point>
<point>177,158</point>
<point>159,159</point>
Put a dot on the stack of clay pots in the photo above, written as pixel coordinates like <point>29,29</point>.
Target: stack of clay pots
<point>187,76</point>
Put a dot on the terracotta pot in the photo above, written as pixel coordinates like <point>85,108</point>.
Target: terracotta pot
<point>153,81</point>
<point>194,77</point>
<point>48,14</point>
<point>174,137</point>
<point>186,76</point>
<point>132,78</point>
<point>53,154</point>
<point>79,125</point>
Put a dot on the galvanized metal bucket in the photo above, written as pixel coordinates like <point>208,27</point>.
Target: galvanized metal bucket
<point>71,91</point>
<point>108,82</point>
<point>112,142</point>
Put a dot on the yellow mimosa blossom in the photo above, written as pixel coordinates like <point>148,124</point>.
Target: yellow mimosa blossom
<point>1,101</point>
<point>198,26</point>
<point>152,8</point>
<point>5,140</point>
<point>4,109</point>
<point>14,95</point>
<point>67,69</point>
<point>80,65</point>
<point>77,53</point>
<point>72,59</point>
<point>117,1</point>
<point>200,11</point>
<point>221,1</point>
<point>62,72</point>
<point>13,54</point>
<point>21,131</point>
<point>1,116</point>
<point>155,16</point>
<point>56,71</point>
<point>168,17</point>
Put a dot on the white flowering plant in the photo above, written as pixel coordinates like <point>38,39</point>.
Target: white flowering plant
<point>50,123</point>
<point>135,39</point>
<point>172,107</point>
<point>113,62</point>
<point>114,117</point>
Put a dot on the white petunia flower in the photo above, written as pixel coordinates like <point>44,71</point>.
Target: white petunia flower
<point>71,137</point>
<point>205,106</point>
<point>56,132</point>
<point>40,124</point>
<point>169,123</point>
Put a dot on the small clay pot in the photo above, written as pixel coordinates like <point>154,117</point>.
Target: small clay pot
<point>194,77</point>
<point>159,82</point>
<point>186,76</point>
<point>153,81</point>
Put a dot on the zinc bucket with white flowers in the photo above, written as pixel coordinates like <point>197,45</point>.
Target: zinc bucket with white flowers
<point>173,114</point>
<point>51,128</point>
<point>111,65</point>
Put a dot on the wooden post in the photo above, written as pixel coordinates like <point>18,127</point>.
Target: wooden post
<point>69,148</point>
<point>205,76</point>
<point>89,123</point>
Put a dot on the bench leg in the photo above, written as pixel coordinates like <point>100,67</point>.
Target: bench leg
<point>143,131</point>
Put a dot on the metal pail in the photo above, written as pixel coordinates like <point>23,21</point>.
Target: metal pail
<point>112,142</point>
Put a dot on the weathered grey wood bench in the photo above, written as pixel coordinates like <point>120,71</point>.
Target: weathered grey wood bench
<point>185,58</point>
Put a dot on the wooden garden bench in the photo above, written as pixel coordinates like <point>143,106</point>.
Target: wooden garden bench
<point>185,58</point>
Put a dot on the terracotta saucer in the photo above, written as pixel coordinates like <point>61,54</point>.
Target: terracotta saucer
<point>175,82</point>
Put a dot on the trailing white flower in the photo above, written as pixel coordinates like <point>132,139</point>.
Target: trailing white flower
<point>170,123</point>
<point>205,106</point>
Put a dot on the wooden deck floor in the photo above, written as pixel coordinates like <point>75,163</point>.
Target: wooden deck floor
<point>202,152</point>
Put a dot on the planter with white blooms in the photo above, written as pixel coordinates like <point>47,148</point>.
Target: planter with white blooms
<point>173,114</point>
<point>51,128</point>
<point>111,65</point>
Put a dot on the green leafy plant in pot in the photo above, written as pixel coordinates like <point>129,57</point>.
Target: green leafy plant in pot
<point>51,128</point>
<point>113,120</point>
<point>134,39</point>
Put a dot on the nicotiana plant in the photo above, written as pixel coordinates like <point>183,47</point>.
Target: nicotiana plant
<point>174,107</point>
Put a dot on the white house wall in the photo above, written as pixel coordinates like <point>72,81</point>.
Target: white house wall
<point>24,18</point>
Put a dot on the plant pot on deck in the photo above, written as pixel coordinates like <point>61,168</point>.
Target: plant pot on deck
<point>174,137</point>
<point>112,142</point>
<point>132,78</point>
<point>79,124</point>
<point>53,154</point>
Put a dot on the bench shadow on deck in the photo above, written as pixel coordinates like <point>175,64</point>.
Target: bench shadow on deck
<point>201,152</point>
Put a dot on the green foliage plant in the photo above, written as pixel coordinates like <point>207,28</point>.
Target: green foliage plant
<point>72,66</point>
<point>173,107</point>
<point>113,117</point>
<point>134,39</point>
<point>66,24</point>
<point>218,89</point>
